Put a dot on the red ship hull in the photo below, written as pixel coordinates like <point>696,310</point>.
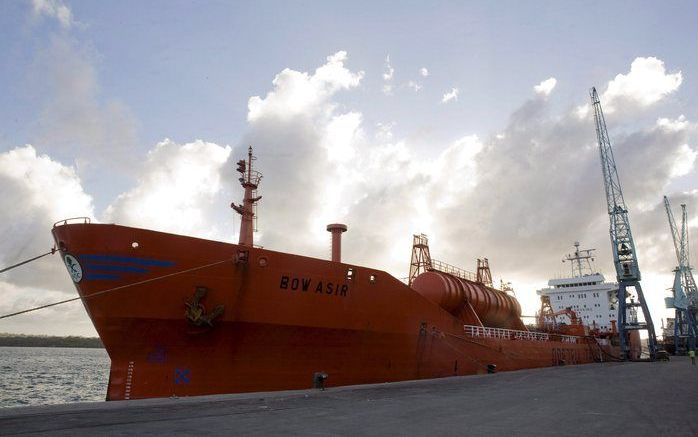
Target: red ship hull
<point>266,320</point>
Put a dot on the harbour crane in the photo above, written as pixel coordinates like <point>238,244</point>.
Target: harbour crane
<point>622,244</point>
<point>685,295</point>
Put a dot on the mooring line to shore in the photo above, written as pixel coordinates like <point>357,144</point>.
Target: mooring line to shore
<point>50,252</point>
<point>109,290</point>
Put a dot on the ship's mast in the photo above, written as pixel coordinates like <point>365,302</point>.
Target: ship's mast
<point>685,295</point>
<point>249,179</point>
<point>421,258</point>
<point>484,274</point>
<point>622,243</point>
<point>581,261</point>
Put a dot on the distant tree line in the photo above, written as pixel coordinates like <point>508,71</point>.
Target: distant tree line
<point>21,340</point>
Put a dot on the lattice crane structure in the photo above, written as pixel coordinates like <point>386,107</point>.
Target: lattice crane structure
<point>684,293</point>
<point>622,244</point>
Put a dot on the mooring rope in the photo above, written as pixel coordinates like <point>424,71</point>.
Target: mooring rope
<point>109,290</point>
<point>50,252</point>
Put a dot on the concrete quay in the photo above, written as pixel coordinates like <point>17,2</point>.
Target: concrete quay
<point>611,399</point>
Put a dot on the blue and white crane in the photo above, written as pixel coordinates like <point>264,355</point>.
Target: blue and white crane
<point>684,294</point>
<point>630,295</point>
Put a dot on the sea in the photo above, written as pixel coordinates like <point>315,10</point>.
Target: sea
<point>50,375</point>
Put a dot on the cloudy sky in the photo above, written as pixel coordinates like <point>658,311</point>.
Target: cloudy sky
<point>467,121</point>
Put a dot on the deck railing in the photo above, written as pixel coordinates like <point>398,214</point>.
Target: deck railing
<point>513,334</point>
<point>84,220</point>
<point>453,270</point>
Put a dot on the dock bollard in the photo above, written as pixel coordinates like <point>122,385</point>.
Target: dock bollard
<point>319,380</point>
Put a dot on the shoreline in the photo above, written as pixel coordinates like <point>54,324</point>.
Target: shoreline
<point>20,340</point>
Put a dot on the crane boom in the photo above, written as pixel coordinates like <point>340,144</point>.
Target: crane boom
<point>689,281</point>
<point>624,257</point>
<point>622,243</point>
<point>674,229</point>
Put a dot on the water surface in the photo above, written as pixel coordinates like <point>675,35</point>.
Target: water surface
<point>41,376</point>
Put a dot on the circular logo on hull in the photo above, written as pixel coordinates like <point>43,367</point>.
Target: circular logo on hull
<point>74,268</point>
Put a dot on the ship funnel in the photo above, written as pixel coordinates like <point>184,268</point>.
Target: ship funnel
<point>336,229</point>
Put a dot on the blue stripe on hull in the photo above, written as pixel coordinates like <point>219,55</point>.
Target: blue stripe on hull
<point>98,276</point>
<point>115,268</point>
<point>128,260</point>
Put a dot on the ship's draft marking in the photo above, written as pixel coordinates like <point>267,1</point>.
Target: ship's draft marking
<point>129,381</point>
<point>196,312</point>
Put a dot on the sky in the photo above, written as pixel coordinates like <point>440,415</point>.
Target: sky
<point>466,121</point>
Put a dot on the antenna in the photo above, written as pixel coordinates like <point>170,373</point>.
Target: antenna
<point>582,261</point>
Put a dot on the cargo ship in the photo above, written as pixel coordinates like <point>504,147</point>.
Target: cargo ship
<point>184,316</point>
<point>584,303</point>
<point>586,292</point>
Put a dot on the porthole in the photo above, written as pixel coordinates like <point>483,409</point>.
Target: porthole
<point>135,244</point>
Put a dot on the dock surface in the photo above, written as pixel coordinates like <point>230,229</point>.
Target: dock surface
<point>618,399</point>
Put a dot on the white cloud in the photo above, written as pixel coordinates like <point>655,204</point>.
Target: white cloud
<point>35,192</point>
<point>384,132</point>
<point>449,96</point>
<point>546,87</point>
<point>45,184</point>
<point>684,162</point>
<point>341,134</point>
<point>645,84</point>
<point>424,72</point>
<point>454,171</point>
<point>295,92</point>
<point>507,196</point>
<point>389,70</point>
<point>178,191</point>
<point>414,85</point>
<point>388,73</point>
<point>299,150</point>
<point>54,9</point>
<point>673,125</point>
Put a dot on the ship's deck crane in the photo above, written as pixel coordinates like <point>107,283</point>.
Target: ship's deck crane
<point>685,295</point>
<point>547,320</point>
<point>622,243</point>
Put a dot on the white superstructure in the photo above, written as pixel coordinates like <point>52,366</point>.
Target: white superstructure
<point>585,292</point>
